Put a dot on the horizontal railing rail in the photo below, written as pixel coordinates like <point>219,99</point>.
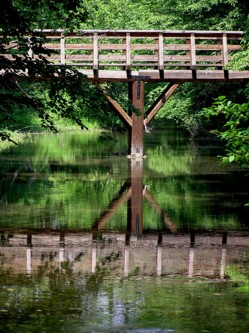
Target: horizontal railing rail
<point>133,49</point>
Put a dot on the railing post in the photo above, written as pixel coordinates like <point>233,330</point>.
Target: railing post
<point>160,52</point>
<point>63,53</point>
<point>95,52</point>
<point>30,51</point>
<point>224,49</point>
<point>128,52</point>
<point>192,51</point>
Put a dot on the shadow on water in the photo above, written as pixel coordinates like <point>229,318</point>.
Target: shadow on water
<point>92,242</point>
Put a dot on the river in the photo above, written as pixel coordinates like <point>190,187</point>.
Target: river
<point>92,241</point>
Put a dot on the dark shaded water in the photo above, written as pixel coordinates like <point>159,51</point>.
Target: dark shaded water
<point>94,242</point>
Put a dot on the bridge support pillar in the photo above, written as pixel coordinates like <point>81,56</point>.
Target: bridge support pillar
<point>137,129</point>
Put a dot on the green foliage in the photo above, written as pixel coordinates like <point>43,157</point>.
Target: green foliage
<point>5,136</point>
<point>235,130</point>
<point>29,104</point>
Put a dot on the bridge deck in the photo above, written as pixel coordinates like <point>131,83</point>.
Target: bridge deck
<point>108,55</point>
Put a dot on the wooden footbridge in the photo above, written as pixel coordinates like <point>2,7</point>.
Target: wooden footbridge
<point>137,57</point>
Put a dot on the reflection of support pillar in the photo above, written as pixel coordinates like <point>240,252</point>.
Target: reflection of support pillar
<point>191,255</point>
<point>94,256</point>
<point>126,255</point>
<point>223,256</point>
<point>137,128</point>
<point>62,249</point>
<point>136,196</point>
<point>159,256</point>
<point>29,253</point>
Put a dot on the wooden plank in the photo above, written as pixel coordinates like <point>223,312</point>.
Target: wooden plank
<point>178,76</point>
<point>52,45</point>
<point>79,46</point>
<point>216,47</point>
<point>80,57</point>
<point>208,58</point>
<point>149,47</point>
<point>167,74</point>
<point>234,47</point>
<point>176,47</point>
<point>109,74</point>
<point>208,47</point>
<point>112,57</point>
<point>175,58</point>
<point>144,57</point>
<point>112,47</point>
<point>116,33</point>
<point>210,75</point>
<point>238,75</point>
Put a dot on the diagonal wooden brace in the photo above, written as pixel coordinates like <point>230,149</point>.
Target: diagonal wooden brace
<point>119,110</point>
<point>160,101</point>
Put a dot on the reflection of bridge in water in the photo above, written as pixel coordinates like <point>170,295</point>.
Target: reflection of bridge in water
<point>130,251</point>
<point>122,255</point>
<point>133,192</point>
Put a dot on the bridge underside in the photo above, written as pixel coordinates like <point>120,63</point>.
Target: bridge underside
<point>137,119</point>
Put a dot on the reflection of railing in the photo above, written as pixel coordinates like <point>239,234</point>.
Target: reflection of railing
<point>119,254</point>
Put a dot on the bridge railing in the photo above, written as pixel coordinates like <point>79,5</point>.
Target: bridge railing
<point>128,50</point>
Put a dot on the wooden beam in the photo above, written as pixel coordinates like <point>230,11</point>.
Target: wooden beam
<point>160,101</point>
<point>137,128</point>
<point>119,110</point>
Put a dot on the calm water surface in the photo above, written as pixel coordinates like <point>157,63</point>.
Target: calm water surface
<point>94,242</point>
